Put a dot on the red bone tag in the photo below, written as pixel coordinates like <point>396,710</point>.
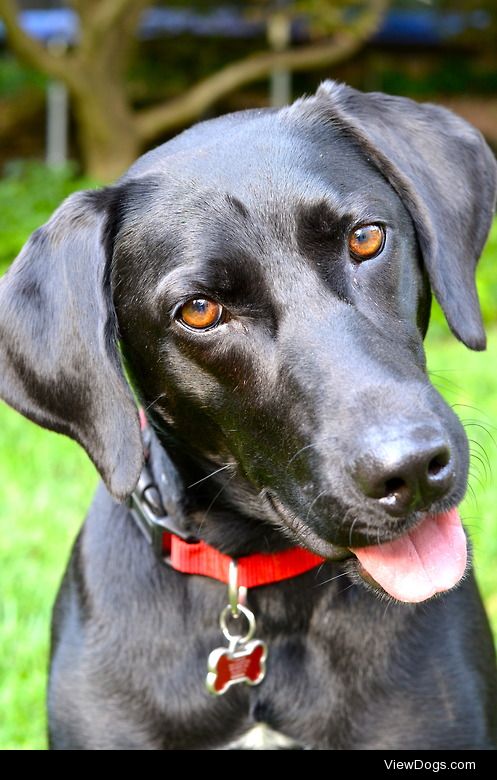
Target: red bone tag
<point>227,668</point>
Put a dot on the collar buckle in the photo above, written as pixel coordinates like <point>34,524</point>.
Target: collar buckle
<point>150,516</point>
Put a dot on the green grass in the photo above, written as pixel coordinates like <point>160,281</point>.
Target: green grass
<point>47,485</point>
<point>47,482</point>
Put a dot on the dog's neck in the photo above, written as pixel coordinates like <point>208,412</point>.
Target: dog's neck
<point>210,500</point>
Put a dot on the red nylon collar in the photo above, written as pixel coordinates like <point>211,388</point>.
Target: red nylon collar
<point>253,570</point>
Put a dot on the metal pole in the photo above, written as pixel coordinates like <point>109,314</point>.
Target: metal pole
<point>57,120</point>
<point>57,124</point>
<point>279,31</point>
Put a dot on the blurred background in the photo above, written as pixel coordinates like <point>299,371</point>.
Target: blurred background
<point>88,85</point>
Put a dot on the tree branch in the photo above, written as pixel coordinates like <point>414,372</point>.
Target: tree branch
<point>102,15</point>
<point>107,33</point>
<point>152,122</point>
<point>30,50</point>
<point>112,11</point>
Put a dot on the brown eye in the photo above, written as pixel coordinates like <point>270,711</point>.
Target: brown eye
<point>366,242</point>
<point>200,314</point>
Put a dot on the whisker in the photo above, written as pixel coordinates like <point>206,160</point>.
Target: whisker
<point>388,603</point>
<point>482,448</point>
<point>473,494</point>
<point>313,502</point>
<point>476,476</point>
<point>477,457</point>
<point>161,395</point>
<point>307,446</point>
<point>472,522</point>
<point>204,518</point>
<point>347,588</point>
<point>475,424</point>
<point>331,579</point>
<point>223,468</point>
<point>446,384</point>
<point>351,530</point>
<point>319,569</point>
<point>475,409</point>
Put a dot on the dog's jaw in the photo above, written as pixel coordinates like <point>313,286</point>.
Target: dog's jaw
<point>299,532</point>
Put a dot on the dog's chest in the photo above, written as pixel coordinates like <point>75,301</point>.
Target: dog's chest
<point>263,737</point>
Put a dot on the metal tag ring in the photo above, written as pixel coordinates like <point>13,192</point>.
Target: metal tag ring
<point>237,594</point>
<point>242,610</point>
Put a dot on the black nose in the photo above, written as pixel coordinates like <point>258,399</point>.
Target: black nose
<point>406,474</point>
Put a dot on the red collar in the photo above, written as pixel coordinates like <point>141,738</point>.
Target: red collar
<point>197,557</point>
<point>253,570</point>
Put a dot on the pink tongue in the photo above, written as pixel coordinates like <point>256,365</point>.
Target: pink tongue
<point>429,559</point>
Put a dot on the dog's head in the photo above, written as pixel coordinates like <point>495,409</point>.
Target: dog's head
<point>267,275</point>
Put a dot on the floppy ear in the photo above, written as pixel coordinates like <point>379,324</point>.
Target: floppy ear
<point>59,363</point>
<point>446,176</point>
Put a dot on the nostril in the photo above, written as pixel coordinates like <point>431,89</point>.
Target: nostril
<point>396,494</point>
<point>393,486</point>
<point>438,463</point>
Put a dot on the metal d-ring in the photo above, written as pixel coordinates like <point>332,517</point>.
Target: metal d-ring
<point>237,639</point>
<point>237,594</point>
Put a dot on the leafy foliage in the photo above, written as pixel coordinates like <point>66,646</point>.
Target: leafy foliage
<point>29,194</point>
<point>15,77</point>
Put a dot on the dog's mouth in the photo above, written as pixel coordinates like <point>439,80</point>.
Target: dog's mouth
<point>427,559</point>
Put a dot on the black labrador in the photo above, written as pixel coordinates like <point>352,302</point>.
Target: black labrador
<point>264,280</point>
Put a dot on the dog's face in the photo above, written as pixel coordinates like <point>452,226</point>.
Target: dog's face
<point>258,338</point>
<point>270,277</point>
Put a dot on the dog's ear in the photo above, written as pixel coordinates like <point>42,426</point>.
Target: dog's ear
<point>59,361</point>
<point>446,176</point>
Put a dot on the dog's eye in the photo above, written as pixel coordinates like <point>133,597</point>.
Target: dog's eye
<point>200,314</point>
<point>366,241</point>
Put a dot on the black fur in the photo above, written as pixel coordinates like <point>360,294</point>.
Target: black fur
<point>266,421</point>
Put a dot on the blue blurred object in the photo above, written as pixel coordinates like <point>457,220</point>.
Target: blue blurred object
<point>59,24</point>
<point>428,27</point>
<point>225,22</point>
<point>424,27</point>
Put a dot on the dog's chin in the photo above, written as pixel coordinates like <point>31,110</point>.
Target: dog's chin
<point>306,537</point>
<point>426,560</point>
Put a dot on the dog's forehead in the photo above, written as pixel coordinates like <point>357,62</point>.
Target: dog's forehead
<point>270,194</point>
<point>259,183</point>
<point>268,157</point>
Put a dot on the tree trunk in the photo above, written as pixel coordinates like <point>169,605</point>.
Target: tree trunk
<point>108,136</point>
<point>108,139</point>
<point>105,159</point>
<point>94,73</point>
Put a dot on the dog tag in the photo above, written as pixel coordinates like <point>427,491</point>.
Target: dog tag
<point>244,660</point>
<point>227,667</point>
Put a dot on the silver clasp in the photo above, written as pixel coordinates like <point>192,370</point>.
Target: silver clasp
<point>237,594</point>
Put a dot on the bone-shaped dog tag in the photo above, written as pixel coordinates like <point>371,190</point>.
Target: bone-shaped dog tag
<point>227,667</point>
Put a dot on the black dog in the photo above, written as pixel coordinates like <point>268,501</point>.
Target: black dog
<point>267,275</point>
